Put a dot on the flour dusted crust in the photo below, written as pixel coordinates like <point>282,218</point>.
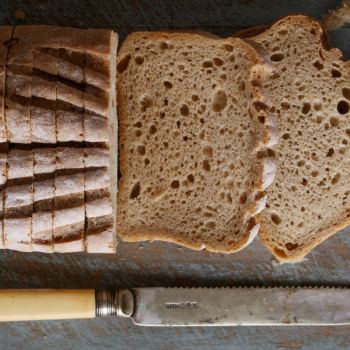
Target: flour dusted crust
<point>310,95</point>
<point>170,114</point>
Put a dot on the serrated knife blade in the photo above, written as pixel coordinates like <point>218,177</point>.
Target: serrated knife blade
<point>241,306</point>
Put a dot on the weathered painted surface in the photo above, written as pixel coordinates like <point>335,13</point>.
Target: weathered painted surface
<point>160,264</point>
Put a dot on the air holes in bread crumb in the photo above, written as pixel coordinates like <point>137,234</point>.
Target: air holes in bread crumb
<point>330,152</point>
<point>285,105</point>
<point>175,184</point>
<point>207,64</point>
<point>259,106</point>
<point>261,119</point>
<point>314,173</point>
<point>343,107</point>
<point>219,101</point>
<point>207,151</point>
<point>276,219</point>
<point>304,182</point>
<point>139,60</point>
<point>135,191</point>
<point>206,165</point>
<point>243,198</point>
<point>335,179</point>
<point>346,93</point>
<point>218,62</point>
<point>286,136</point>
<point>228,47</point>
<point>123,64</point>
<point>336,73</point>
<point>152,129</point>
<point>291,246</point>
<point>184,110</point>
<point>138,133</point>
<point>318,65</point>
<point>167,84</point>
<point>306,108</point>
<point>190,178</point>
<point>194,97</point>
<point>141,150</point>
<point>334,121</point>
<point>138,125</point>
<point>276,57</point>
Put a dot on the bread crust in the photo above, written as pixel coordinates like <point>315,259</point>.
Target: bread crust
<point>256,203</point>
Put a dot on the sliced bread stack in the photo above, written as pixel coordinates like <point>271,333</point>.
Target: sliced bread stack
<point>58,138</point>
<point>194,128</point>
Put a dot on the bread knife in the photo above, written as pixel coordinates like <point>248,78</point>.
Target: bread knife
<point>244,306</point>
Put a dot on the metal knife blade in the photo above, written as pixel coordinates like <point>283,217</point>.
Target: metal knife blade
<point>240,306</point>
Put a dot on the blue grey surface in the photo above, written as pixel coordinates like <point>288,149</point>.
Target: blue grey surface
<point>162,264</point>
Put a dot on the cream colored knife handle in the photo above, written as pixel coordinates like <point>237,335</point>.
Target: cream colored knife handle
<point>53,304</point>
<point>56,304</point>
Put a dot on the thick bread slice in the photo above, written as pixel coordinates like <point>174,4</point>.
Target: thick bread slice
<point>100,237</point>
<point>310,94</point>
<point>68,229</point>
<point>100,125</point>
<point>69,200</point>
<point>190,170</point>
<point>3,172</point>
<point>5,36</point>
<point>18,203</point>
<point>43,198</point>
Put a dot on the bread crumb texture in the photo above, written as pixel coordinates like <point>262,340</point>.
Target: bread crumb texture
<point>188,144</point>
<point>310,97</point>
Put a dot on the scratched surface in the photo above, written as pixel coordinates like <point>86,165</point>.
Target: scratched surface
<point>160,264</point>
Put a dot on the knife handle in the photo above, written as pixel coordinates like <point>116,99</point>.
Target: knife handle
<point>56,304</point>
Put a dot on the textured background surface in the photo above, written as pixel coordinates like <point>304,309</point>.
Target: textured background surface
<point>159,264</point>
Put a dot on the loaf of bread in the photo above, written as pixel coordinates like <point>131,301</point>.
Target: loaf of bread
<point>58,118</point>
<point>193,132</point>
<point>310,98</point>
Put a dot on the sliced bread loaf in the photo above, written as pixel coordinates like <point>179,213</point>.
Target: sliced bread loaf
<point>60,90</point>
<point>310,97</point>
<point>190,167</point>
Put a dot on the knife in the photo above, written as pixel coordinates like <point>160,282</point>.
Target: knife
<point>243,306</point>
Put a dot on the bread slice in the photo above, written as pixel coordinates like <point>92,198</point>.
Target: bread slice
<point>3,172</point>
<point>100,126</point>
<point>5,36</point>
<point>190,168</point>
<point>18,203</point>
<point>69,200</point>
<point>43,198</point>
<point>310,96</point>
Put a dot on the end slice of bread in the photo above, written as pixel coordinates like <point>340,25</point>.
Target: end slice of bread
<point>310,97</point>
<point>193,133</point>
